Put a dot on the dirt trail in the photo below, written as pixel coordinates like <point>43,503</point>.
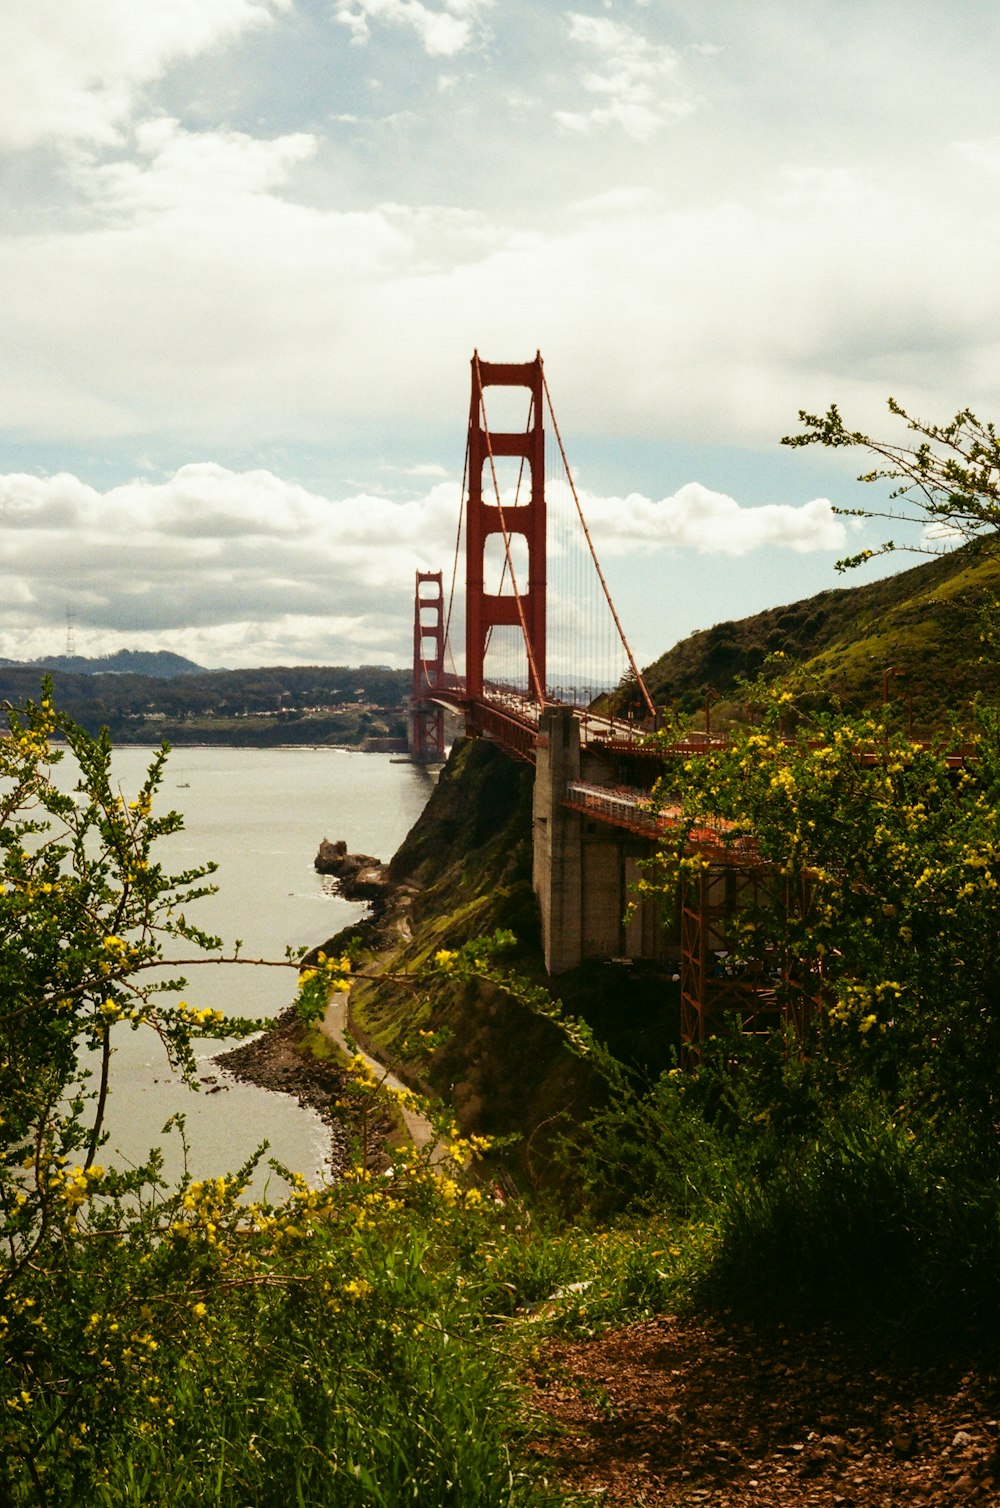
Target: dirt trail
<point>676,1411</point>
<point>334,1024</point>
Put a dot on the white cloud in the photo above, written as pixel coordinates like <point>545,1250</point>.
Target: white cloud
<point>231,565</point>
<point>219,565</point>
<point>211,244</point>
<point>697,518</point>
<point>74,69</point>
<point>442,33</point>
<point>196,177</point>
<point>638,82</point>
<point>201,297</point>
<point>223,285</point>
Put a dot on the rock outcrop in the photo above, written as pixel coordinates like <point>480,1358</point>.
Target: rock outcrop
<point>360,877</point>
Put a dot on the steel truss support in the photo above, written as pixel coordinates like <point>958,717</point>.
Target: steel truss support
<point>721,987</point>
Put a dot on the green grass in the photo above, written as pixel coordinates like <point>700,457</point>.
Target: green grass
<point>925,619</point>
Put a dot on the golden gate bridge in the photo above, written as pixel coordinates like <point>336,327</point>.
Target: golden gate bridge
<point>530,685</point>
<point>526,546</point>
<point>530,682</point>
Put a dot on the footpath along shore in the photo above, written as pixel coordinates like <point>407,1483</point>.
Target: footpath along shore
<point>275,1060</point>
<point>335,1026</point>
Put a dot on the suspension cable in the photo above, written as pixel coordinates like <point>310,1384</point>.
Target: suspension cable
<point>593,554</point>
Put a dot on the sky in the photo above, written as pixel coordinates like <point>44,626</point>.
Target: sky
<point>248,248</point>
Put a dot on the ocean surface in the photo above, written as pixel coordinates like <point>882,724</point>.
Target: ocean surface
<point>260,815</point>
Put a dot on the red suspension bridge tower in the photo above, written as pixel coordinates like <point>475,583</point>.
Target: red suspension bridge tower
<point>519,603</point>
<point>510,650</point>
<point>427,716</point>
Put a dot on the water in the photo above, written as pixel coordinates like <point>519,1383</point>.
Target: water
<point>260,814</point>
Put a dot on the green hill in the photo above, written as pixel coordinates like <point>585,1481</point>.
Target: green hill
<point>161,664</point>
<point>312,704</point>
<point>925,622</point>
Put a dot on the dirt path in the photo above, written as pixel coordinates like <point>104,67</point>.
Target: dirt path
<point>418,1127</point>
<point>676,1411</point>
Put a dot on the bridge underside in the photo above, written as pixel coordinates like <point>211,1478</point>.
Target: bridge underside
<point>721,986</point>
<point>591,839</point>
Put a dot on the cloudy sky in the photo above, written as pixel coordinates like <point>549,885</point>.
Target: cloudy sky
<point>247,248</point>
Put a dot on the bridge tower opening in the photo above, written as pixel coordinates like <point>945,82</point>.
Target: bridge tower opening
<point>519,603</point>
<point>427,717</point>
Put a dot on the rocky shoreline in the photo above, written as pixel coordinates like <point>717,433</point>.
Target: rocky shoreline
<point>360,876</point>
<point>279,1060</point>
<point>276,1060</point>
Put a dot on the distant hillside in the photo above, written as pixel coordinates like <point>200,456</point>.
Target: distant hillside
<point>316,704</point>
<point>160,664</point>
<point>926,621</point>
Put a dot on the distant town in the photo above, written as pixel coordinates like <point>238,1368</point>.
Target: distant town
<point>148,698</point>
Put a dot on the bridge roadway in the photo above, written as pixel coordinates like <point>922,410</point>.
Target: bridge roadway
<point>513,720</point>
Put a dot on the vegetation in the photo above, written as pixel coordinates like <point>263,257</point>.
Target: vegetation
<point>256,708</point>
<point>925,623</point>
<point>863,1141</point>
<point>467,862</point>
<point>169,1345</point>
<point>465,869</point>
<point>360,1344</point>
<point>947,482</point>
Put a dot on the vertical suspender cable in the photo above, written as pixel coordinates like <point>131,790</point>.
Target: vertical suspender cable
<point>454,564</point>
<point>593,555</point>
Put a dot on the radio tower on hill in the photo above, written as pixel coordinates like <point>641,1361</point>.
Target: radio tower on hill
<point>70,632</point>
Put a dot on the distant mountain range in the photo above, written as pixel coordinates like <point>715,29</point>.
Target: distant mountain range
<point>159,663</point>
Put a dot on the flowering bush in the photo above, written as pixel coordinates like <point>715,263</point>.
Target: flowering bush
<point>182,1345</point>
<point>882,858</point>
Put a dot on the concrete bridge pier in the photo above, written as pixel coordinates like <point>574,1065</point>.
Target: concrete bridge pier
<point>583,870</point>
<point>557,841</point>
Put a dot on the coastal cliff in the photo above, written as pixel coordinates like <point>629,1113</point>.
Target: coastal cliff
<point>463,872</point>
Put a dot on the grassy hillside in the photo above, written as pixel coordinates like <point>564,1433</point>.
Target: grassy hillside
<point>926,621</point>
<point>465,869</point>
<point>463,872</point>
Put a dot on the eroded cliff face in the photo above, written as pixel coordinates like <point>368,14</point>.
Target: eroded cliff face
<point>464,871</point>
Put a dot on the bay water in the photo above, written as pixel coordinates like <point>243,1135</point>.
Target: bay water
<point>260,815</point>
